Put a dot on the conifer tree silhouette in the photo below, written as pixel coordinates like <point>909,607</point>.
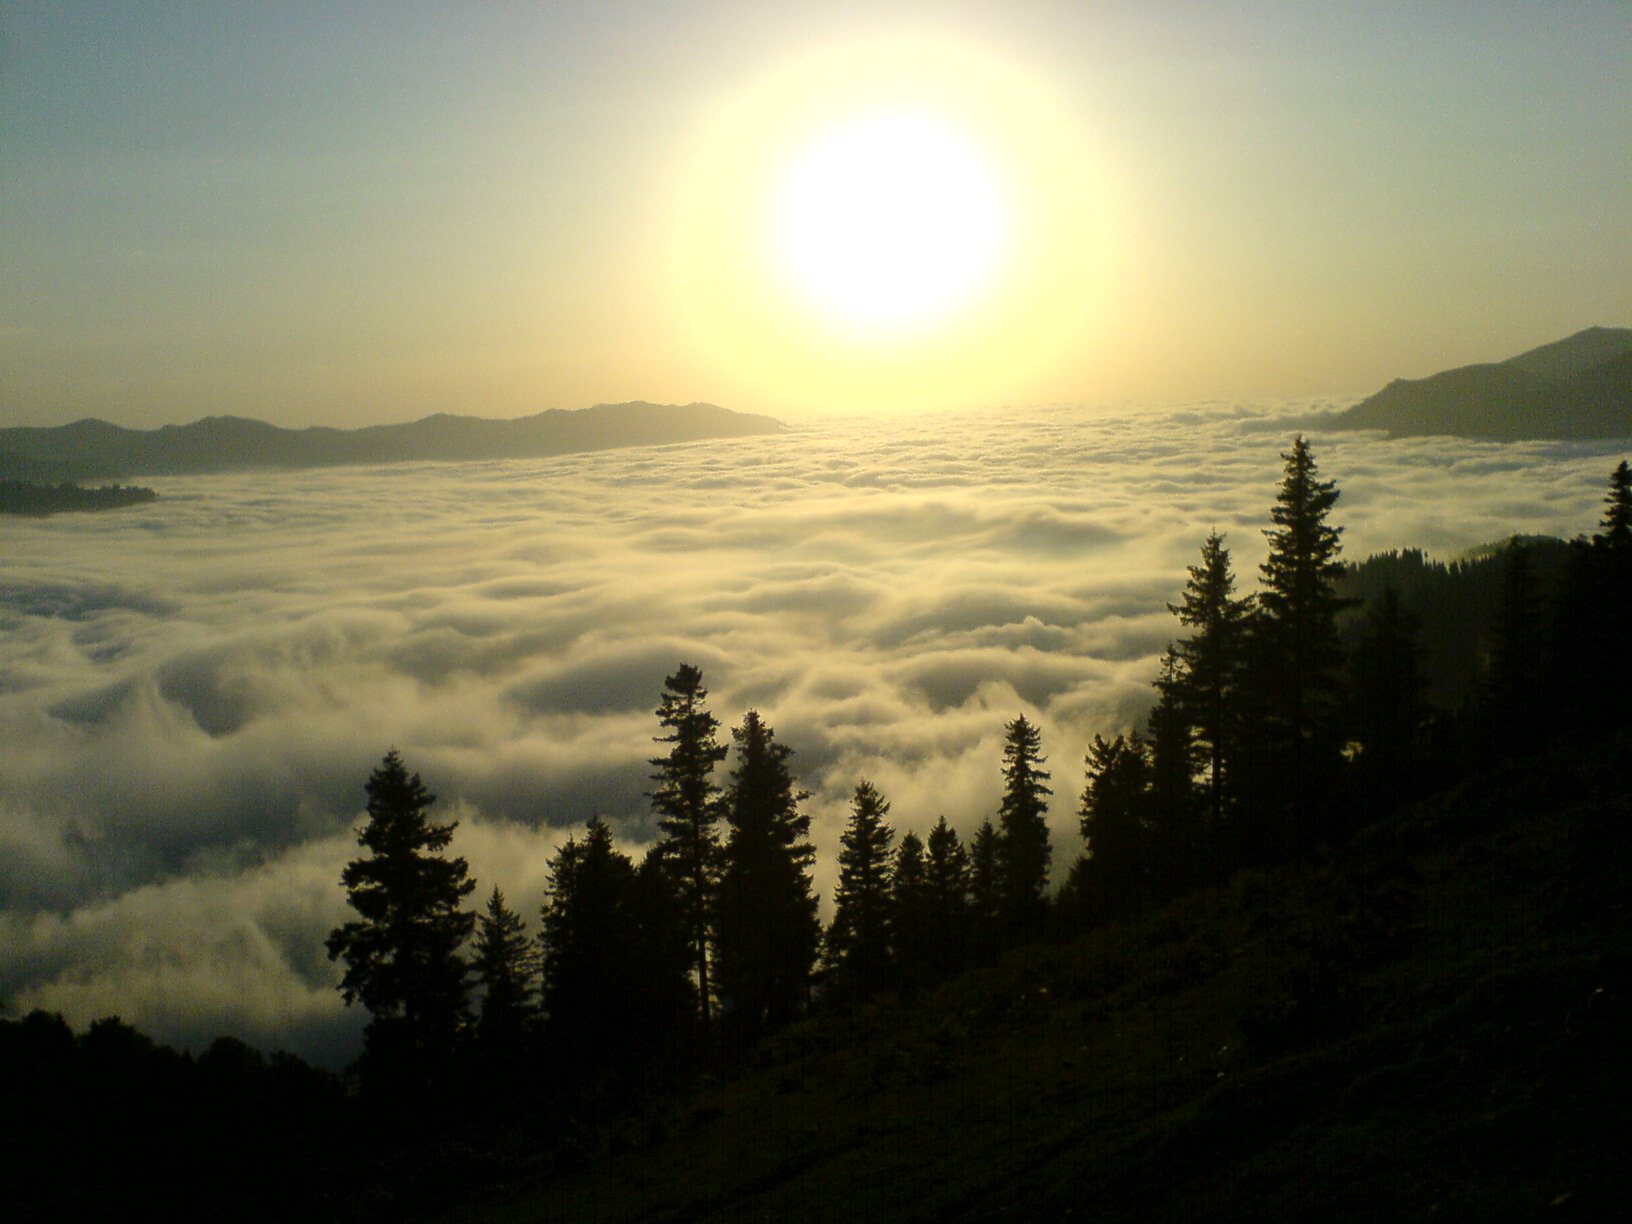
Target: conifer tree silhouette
<point>1615,531</point>
<point>688,815</point>
<point>910,916</point>
<point>1514,682</point>
<point>616,965</point>
<point>1023,844</point>
<point>403,953</point>
<point>506,965</point>
<point>1181,835</point>
<point>1607,624</point>
<point>1209,664</point>
<point>1296,658</point>
<point>1589,616</point>
<point>946,891</point>
<point>858,941</point>
<point>589,950</point>
<point>767,931</point>
<point>1389,704</point>
<point>1110,881</point>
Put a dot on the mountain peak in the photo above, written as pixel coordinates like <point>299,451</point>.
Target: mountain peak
<point>1573,355</point>
<point>1577,387</point>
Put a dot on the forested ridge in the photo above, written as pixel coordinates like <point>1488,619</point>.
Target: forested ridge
<point>1317,898</point>
<point>38,500</point>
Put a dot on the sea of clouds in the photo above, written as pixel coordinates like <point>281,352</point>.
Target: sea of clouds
<point>192,693</point>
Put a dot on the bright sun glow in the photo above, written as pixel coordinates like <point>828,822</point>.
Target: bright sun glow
<point>891,220</point>
<point>897,226</point>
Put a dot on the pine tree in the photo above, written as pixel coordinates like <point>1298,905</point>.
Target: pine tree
<point>403,953</point>
<point>909,913</point>
<point>985,892</point>
<point>946,890</point>
<point>506,964</point>
<point>1299,600</point>
<point>663,1000</point>
<point>1612,550</point>
<point>767,931</point>
<point>688,814</point>
<point>1295,662</point>
<point>1181,836</point>
<point>1389,705</point>
<point>1615,532</point>
<point>1209,663</point>
<point>1514,681</point>
<point>1589,619</point>
<point>1023,843</point>
<point>592,958</point>
<point>1115,799</point>
<point>858,942</point>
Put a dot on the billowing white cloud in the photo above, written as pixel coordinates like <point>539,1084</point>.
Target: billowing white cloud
<point>192,693</point>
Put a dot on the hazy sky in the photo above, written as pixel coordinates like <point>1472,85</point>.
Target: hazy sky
<point>354,213</point>
<point>193,692</point>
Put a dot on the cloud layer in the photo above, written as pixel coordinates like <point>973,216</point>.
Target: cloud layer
<point>193,693</point>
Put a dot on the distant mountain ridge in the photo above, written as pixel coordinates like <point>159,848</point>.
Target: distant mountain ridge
<point>1578,387</point>
<point>95,450</point>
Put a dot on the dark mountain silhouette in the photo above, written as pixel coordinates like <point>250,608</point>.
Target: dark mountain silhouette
<point>1578,387</point>
<point>1573,355</point>
<point>93,449</point>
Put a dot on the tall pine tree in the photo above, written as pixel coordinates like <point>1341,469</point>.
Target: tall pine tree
<point>985,892</point>
<point>506,965</point>
<point>858,942</point>
<point>910,914</point>
<point>946,890</point>
<point>404,952</point>
<point>688,815</point>
<point>1389,706</point>
<point>767,931</point>
<point>611,973</point>
<point>1180,834</point>
<point>1515,679</point>
<point>1209,663</point>
<point>1615,531</point>
<point>1590,637</point>
<point>1023,846</point>
<point>1110,881</point>
<point>1296,663</point>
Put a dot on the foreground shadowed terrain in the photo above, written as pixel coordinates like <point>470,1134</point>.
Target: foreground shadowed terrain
<point>1425,1024</point>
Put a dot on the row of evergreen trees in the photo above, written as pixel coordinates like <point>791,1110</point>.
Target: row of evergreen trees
<point>1289,718</point>
<point>1275,730</point>
<point>707,944</point>
<point>38,500</point>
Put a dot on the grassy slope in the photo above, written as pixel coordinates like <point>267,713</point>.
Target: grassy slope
<point>1428,1027</point>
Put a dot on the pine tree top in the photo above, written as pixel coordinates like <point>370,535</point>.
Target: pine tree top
<point>1616,528</point>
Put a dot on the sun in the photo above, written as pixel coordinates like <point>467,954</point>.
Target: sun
<point>901,225</point>
<point>890,221</point>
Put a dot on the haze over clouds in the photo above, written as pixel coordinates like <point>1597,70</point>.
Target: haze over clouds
<point>194,692</point>
<point>346,214</point>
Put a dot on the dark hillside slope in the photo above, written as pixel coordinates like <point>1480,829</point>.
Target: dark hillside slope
<point>1578,387</point>
<point>1576,354</point>
<point>1429,1025</point>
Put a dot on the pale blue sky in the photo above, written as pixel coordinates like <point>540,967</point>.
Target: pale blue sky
<point>343,214</point>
